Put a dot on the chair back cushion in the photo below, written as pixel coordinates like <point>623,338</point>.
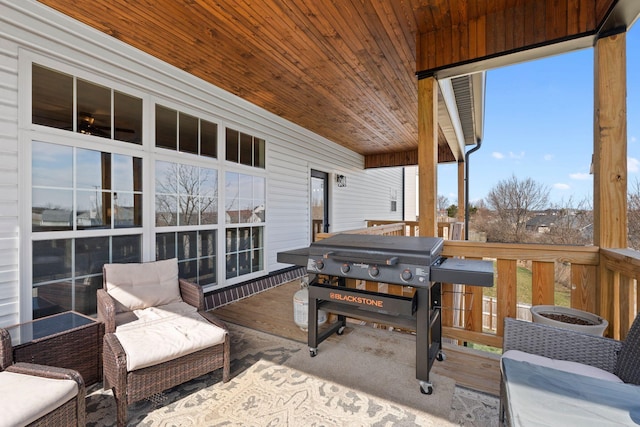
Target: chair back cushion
<point>139,286</point>
<point>628,366</point>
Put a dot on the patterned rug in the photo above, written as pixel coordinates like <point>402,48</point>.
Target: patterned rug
<point>275,383</point>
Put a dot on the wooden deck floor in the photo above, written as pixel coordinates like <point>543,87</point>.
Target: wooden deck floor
<point>272,312</point>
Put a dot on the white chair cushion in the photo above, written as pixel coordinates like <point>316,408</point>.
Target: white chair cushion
<point>562,365</point>
<point>25,398</point>
<point>162,335</point>
<point>138,286</point>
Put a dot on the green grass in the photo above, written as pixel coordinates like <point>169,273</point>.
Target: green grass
<point>523,279</point>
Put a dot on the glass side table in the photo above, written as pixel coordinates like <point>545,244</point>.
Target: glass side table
<point>67,340</point>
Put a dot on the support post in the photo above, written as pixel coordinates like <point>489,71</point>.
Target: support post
<point>428,156</point>
<point>609,158</point>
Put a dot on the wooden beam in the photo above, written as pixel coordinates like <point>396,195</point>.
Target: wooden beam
<point>428,156</point>
<point>609,157</point>
<point>499,27</point>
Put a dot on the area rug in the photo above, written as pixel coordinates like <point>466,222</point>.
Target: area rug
<point>276,383</point>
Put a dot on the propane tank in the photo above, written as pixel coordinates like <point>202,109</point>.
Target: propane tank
<point>301,306</point>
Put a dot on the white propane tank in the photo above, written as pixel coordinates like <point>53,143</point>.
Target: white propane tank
<point>301,307</point>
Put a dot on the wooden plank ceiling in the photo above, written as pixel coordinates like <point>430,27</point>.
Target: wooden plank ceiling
<point>345,70</point>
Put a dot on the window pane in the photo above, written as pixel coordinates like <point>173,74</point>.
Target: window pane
<point>52,298</point>
<point>232,240</point>
<point>125,175</point>
<point>207,271</point>
<point>208,210</point>
<point>93,169</point>
<point>127,210</point>
<point>208,139</point>
<point>189,210</point>
<point>232,145</point>
<point>187,245</point>
<point>166,127</point>
<point>245,186</point>
<point>52,98</point>
<point>52,210</point>
<point>232,265</point>
<point>208,182</point>
<point>165,246</point>
<point>166,178</point>
<point>246,149</point>
<point>126,249</point>
<point>188,180</point>
<point>188,270</point>
<point>257,261</point>
<point>92,209</point>
<point>51,165</point>
<point>127,116</point>
<point>91,254</point>
<point>258,153</point>
<point>94,109</point>
<point>166,210</point>
<point>188,128</point>
<point>207,243</point>
<point>51,260</point>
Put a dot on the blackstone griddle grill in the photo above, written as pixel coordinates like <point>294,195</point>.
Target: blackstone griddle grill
<point>399,260</point>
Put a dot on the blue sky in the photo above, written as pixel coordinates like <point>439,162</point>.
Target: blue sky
<point>539,125</point>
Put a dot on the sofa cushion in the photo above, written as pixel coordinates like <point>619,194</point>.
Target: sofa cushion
<point>160,335</point>
<point>562,365</point>
<point>25,398</point>
<point>138,286</point>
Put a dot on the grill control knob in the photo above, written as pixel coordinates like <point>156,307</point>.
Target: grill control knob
<point>406,275</point>
<point>374,271</point>
<point>345,268</point>
<point>319,264</point>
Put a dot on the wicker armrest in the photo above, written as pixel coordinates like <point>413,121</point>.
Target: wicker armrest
<point>46,371</point>
<point>192,294</point>
<point>6,350</point>
<point>561,344</point>
<point>106,310</point>
<point>213,319</point>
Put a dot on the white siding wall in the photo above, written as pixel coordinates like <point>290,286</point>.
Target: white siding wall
<point>9,236</point>
<point>29,29</point>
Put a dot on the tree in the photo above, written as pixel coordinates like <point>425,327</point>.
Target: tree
<point>443,201</point>
<point>633,215</point>
<point>572,224</point>
<point>452,211</point>
<point>513,202</point>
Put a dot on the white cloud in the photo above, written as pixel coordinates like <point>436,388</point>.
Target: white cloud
<point>548,157</point>
<point>633,165</point>
<point>561,186</point>
<point>580,176</point>
<point>516,155</point>
<point>497,155</point>
<point>633,139</point>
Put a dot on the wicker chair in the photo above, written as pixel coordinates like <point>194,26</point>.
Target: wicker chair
<point>130,386</point>
<point>620,358</point>
<point>33,386</point>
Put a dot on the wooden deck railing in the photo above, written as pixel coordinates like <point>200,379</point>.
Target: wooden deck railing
<point>617,299</point>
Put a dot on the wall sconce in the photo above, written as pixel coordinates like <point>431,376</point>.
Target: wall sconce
<point>341,180</point>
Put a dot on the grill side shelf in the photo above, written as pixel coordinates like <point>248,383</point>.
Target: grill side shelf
<point>464,272</point>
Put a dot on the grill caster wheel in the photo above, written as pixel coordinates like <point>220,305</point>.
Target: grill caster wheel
<point>426,388</point>
<point>340,330</point>
<point>313,352</point>
<point>440,357</point>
